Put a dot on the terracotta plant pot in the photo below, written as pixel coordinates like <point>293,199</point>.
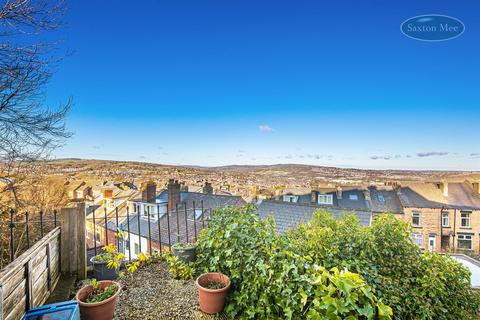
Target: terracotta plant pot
<point>212,300</point>
<point>103,310</point>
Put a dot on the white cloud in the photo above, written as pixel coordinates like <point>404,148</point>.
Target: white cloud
<point>265,128</point>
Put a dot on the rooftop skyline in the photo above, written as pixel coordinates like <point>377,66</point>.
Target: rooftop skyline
<point>217,83</point>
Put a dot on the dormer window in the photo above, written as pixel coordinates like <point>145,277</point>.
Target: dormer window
<point>325,199</point>
<point>381,198</point>
<point>290,198</point>
<point>353,197</point>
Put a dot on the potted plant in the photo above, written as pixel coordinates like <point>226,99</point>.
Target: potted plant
<point>98,299</point>
<point>106,265</point>
<point>212,291</point>
<point>185,252</point>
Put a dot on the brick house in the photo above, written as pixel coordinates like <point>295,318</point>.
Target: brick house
<point>444,216</point>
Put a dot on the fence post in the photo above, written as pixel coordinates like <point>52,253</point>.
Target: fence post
<point>73,243</point>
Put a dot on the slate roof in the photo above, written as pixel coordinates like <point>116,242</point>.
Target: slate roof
<point>288,215</point>
<point>166,224</point>
<point>345,203</point>
<point>187,225</point>
<point>382,200</point>
<point>209,200</point>
<point>427,195</point>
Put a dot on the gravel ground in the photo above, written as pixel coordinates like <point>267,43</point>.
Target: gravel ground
<point>153,294</point>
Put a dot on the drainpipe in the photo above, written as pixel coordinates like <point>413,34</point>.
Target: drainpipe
<point>441,227</point>
<point>454,228</point>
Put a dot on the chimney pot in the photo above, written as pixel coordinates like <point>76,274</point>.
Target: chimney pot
<point>207,188</point>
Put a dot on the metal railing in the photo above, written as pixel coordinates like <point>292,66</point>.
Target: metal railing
<point>25,229</point>
<point>160,230</point>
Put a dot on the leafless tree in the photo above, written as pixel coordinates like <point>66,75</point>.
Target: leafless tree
<point>29,129</point>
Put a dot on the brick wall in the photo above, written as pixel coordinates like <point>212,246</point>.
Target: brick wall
<point>431,224</point>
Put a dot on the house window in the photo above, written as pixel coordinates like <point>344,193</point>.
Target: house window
<point>445,219</point>
<point>381,198</point>
<point>325,199</point>
<point>417,239</point>
<point>87,233</point>
<point>464,242</point>
<point>465,219</point>
<point>416,219</point>
<point>353,197</point>
<point>290,198</point>
<point>136,248</point>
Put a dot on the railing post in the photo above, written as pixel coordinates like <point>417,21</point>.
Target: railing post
<point>186,221</point>
<point>139,232</point>
<point>106,229</point>
<point>41,223</point>
<point>168,230</point>
<point>149,233</point>
<point>27,229</point>
<point>159,228</point>
<point>117,229</point>
<point>94,232</point>
<point>12,225</point>
<point>73,252</point>
<point>194,221</point>
<point>178,224</point>
<point>129,237</point>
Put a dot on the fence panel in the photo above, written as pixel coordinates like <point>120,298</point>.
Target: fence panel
<point>29,279</point>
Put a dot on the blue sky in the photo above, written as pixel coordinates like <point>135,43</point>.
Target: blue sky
<point>261,82</point>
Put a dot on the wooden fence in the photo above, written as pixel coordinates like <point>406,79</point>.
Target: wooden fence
<point>29,279</point>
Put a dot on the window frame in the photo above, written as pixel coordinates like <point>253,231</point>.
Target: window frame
<point>419,214</point>
<point>415,236</point>
<point>445,214</point>
<point>327,197</point>
<point>464,236</point>
<point>467,218</point>
<point>353,197</point>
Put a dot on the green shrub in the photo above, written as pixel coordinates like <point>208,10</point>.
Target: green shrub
<point>416,286</point>
<point>270,281</point>
<point>179,269</point>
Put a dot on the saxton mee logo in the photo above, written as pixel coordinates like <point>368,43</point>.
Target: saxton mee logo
<point>432,27</point>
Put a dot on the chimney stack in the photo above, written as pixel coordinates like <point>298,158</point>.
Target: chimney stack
<point>339,192</point>
<point>314,196</point>
<point>476,187</point>
<point>107,193</point>
<point>367,194</point>
<point>149,191</point>
<point>207,188</point>
<point>173,189</point>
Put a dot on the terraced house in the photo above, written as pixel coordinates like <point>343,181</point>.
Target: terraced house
<point>445,216</point>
